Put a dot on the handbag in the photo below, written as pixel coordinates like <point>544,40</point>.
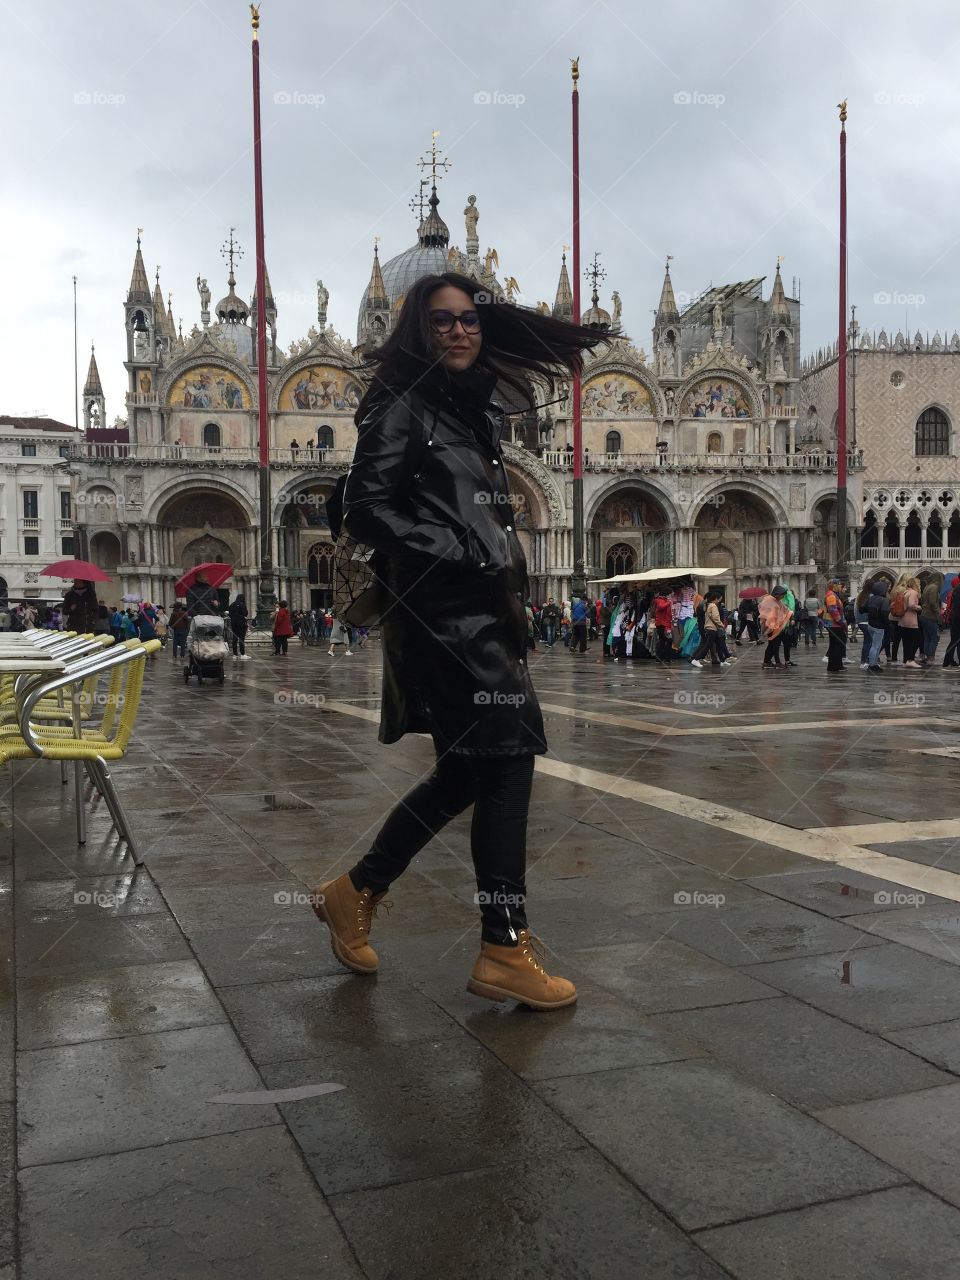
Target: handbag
<point>358,593</point>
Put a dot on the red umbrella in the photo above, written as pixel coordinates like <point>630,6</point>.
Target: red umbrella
<point>753,593</point>
<point>75,569</point>
<point>215,573</point>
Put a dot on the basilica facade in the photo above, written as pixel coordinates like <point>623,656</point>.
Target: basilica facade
<point>703,452</point>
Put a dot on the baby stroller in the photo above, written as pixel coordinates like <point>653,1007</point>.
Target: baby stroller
<point>206,649</point>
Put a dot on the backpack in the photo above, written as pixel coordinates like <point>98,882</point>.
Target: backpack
<point>898,605</point>
<point>357,594</point>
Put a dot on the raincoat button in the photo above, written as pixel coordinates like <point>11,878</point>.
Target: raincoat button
<point>496,463</point>
<point>483,564</point>
<point>509,528</point>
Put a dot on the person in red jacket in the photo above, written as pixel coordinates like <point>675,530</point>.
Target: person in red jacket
<point>282,628</point>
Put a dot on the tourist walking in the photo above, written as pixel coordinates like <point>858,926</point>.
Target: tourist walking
<point>834,614</point>
<point>454,653</point>
<point>878,615</point>
<point>952,613</point>
<point>712,627</point>
<point>579,617</point>
<point>179,626</point>
<point>550,619</point>
<point>339,634</point>
<point>909,622</point>
<point>774,617</point>
<point>80,606</point>
<point>239,622</point>
<point>282,629</point>
<point>930,620</point>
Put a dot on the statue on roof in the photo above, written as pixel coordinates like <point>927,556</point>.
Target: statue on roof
<point>615,298</point>
<point>511,287</point>
<point>323,297</point>
<point>471,216</point>
<point>491,260</point>
<point>204,291</point>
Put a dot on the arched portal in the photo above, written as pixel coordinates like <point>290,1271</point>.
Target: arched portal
<point>199,524</point>
<point>737,531</point>
<point>105,550</point>
<point>633,516</point>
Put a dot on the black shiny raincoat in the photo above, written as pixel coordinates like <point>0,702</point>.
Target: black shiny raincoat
<point>428,489</point>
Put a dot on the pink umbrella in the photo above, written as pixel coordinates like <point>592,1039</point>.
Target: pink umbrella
<point>75,569</point>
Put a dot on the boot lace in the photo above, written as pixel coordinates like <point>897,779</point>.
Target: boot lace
<point>368,907</point>
<point>533,950</point>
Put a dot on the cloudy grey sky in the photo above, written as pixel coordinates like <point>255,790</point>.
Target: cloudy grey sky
<point>709,131</point>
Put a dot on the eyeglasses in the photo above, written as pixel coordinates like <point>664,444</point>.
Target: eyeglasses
<point>444,321</point>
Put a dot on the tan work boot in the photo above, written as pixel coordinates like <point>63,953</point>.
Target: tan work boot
<point>348,914</point>
<point>517,973</point>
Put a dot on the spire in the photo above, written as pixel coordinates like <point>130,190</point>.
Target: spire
<point>667,310</point>
<point>563,303</point>
<point>92,386</point>
<point>159,310</point>
<point>270,305</point>
<point>376,291</point>
<point>139,290</point>
<point>433,229</point>
<point>171,325</point>
<point>778,299</point>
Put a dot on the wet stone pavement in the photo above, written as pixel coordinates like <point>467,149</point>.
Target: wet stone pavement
<point>752,876</point>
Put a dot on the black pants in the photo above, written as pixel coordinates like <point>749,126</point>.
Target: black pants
<point>952,656</point>
<point>280,644</point>
<point>498,787</point>
<point>771,655</point>
<point>239,641</point>
<point>836,647</point>
<point>579,637</point>
<point>710,644</point>
<point>911,642</point>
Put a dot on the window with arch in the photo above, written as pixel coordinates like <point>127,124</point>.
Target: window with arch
<point>324,437</point>
<point>211,435</point>
<point>320,566</point>
<point>620,559</point>
<point>614,442</point>
<point>932,437</point>
<point>714,442</point>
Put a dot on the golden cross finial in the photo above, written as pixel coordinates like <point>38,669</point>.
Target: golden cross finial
<point>255,19</point>
<point>843,110</point>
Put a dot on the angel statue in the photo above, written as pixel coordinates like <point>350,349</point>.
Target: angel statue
<point>615,318</point>
<point>511,287</point>
<point>491,260</point>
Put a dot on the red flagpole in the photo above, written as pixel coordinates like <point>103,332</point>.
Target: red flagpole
<point>842,358</point>
<point>578,581</point>
<point>266,590</point>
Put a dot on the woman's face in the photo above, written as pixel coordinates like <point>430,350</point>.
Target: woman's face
<point>458,348</point>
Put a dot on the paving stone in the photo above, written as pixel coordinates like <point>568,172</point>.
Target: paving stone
<point>250,907</point>
<point>707,1147</point>
<point>836,892</point>
<point>880,987</point>
<point>281,1020</point>
<point>665,975</point>
<point>8,1182</point>
<point>219,867</point>
<point>93,942</point>
<point>564,1218</point>
<point>183,1212</point>
<point>802,1055</point>
<point>932,927</point>
<point>123,894</point>
<point>939,1044</point>
<point>918,1133</point>
<point>752,932</point>
<point>413,1111</point>
<point>114,1095</point>
<point>887,1235</point>
<point>280,951</point>
<point>71,1008</point>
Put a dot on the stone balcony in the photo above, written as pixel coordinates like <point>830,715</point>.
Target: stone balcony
<point>206,456</point>
<point>562,460</point>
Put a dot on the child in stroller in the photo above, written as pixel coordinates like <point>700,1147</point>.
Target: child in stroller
<point>206,649</point>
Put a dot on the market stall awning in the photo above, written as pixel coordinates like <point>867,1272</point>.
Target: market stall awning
<point>653,575</point>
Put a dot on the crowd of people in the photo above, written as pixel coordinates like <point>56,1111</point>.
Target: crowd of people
<point>676,623</point>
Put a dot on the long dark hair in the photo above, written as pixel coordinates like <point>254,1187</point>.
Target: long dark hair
<point>514,340</point>
<point>864,594</point>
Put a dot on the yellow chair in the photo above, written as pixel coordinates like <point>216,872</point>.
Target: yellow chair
<point>89,745</point>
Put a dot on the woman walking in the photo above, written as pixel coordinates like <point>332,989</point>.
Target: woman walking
<point>774,618</point>
<point>339,634</point>
<point>239,621</point>
<point>282,629</point>
<point>909,622</point>
<point>428,490</point>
